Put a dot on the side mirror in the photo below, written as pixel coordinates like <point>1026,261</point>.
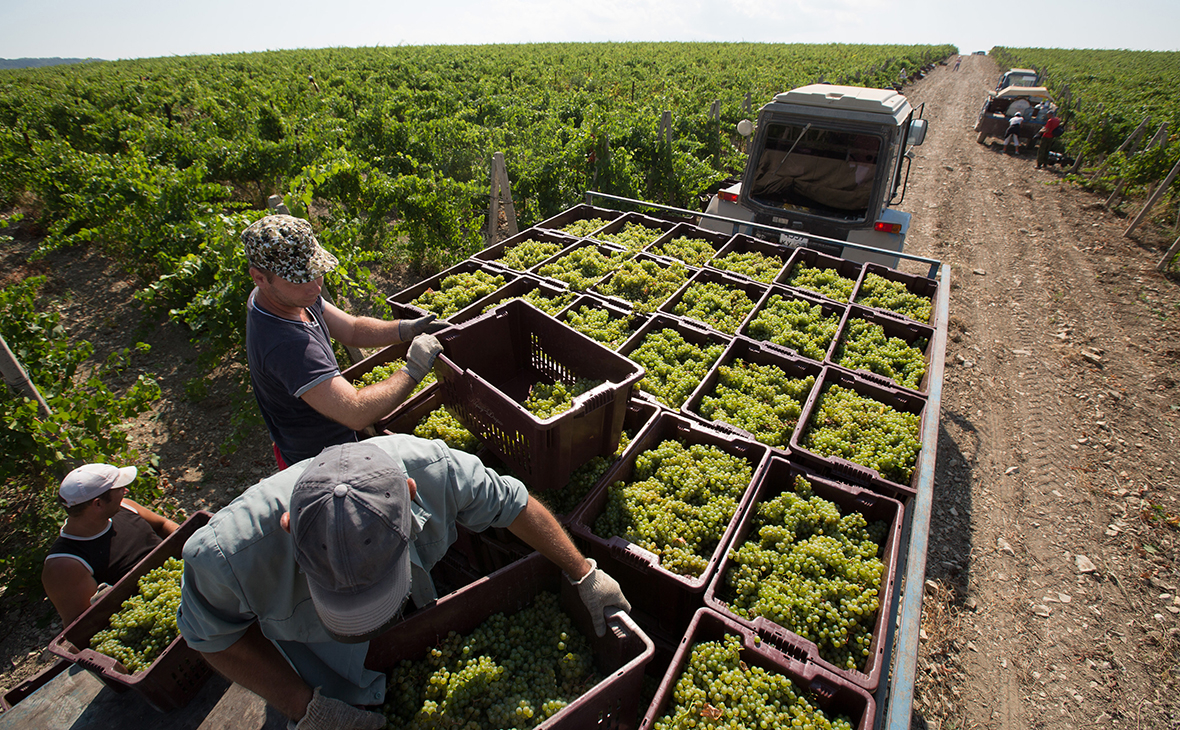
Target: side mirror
<point>745,127</point>
<point>917,133</point>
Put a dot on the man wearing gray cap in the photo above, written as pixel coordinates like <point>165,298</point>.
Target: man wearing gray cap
<point>286,585</point>
<point>306,403</point>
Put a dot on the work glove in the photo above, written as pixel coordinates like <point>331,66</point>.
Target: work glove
<point>325,713</point>
<point>599,591</point>
<point>408,329</point>
<point>420,358</point>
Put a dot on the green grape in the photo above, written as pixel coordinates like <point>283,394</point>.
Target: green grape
<point>582,267</point>
<point>812,570</point>
<point>692,251</point>
<point>675,367</point>
<point>864,346</point>
<point>646,284</point>
<point>751,263</point>
<point>822,281</point>
<point>601,325</point>
<point>512,671</point>
<point>795,324</point>
<point>718,689</point>
<point>529,253</point>
<point>547,304</point>
<point>545,400</point>
<point>146,623</point>
<point>386,371</point>
<point>442,424</point>
<point>632,237</point>
<point>860,429</point>
<point>584,227</point>
<point>457,291</point>
<point>877,291</point>
<point>565,499</point>
<point>715,304</point>
<point>761,399</point>
<point>678,503</point>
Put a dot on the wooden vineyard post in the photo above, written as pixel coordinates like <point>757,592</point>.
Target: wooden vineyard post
<point>17,379</point>
<point>1160,135</point>
<point>665,130</point>
<point>500,187</point>
<point>1159,192</point>
<point>1168,256</point>
<point>1126,143</point>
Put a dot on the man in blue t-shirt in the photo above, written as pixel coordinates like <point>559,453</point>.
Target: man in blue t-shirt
<point>306,403</point>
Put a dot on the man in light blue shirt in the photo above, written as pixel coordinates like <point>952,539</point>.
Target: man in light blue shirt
<point>286,585</point>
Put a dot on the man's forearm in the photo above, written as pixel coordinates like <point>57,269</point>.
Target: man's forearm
<point>542,532</point>
<point>256,664</point>
<point>373,332</point>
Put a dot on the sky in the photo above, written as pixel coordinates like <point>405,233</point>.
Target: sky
<point>122,29</point>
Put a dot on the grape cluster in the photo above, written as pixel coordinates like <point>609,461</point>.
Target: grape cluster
<point>715,304</point>
<point>821,281</point>
<point>581,267</point>
<point>751,263</point>
<point>584,227</point>
<point>146,624</point>
<point>540,300</point>
<point>760,399</point>
<point>675,367</point>
<point>457,291</point>
<point>811,570</point>
<point>601,325</point>
<point>717,689</point>
<point>796,324</point>
<point>692,251</point>
<point>864,346</point>
<point>632,237</point>
<point>512,671</point>
<point>678,503</point>
<point>545,400</point>
<point>529,253</point>
<point>865,431</point>
<point>646,284</point>
<point>877,291</point>
<point>386,371</point>
<point>442,424</point>
<point>565,499</point>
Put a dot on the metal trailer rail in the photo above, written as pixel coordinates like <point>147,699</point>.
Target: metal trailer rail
<point>895,696</point>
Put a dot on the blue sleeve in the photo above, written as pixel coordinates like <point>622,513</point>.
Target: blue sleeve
<point>484,498</point>
<point>212,616</point>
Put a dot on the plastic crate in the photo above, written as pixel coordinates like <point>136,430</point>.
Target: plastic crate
<point>22,690</point>
<point>752,289</point>
<point>849,472</point>
<point>761,353</point>
<point>742,243</point>
<point>614,253</point>
<point>686,230</point>
<point>827,307</point>
<point>401,303</point>
<point>383,357</point>
<point>894,326</point>
<point>620,655</point>
<point>616,311</point>
<point>406,418</point>
<point>814,259</point>
<point>577,213</point>
<point>692,332</point>
<point>649,305</point>
<point>176,674</point>
<point>487,367</point>
<point>828,692</point>
<point>668,599</point>
<point>920,285</point>
<point>618,224</point>
<point>494,254</point>
<point>778,477</point>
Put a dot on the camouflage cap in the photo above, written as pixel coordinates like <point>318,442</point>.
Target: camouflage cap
<point>285,245</point>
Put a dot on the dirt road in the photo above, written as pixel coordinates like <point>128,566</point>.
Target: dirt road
<point>1051,599</point>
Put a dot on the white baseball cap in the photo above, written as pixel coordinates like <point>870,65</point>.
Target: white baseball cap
<point>91,480</point>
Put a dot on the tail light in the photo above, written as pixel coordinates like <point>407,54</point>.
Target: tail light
<point>729,197</point>
<point>883,227</point>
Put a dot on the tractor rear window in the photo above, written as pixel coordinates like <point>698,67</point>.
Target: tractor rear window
<point>823,171</point>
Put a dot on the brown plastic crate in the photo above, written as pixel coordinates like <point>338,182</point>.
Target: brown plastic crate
<point>894,326</point>
<point>608,251</point>
<point>651,305</point>
<point>692,332</point>
<point>753,290</point>
<point>778,477</point>
<point>176,674</point>
<point>617,311</point>
<point>687,230</point>
<point>617,225</point>
<point>920,285</point>
<point>761,353</point>
<point>620,655</point>
<point>742,243</point>
<point>22,690</point>
<point>401,303</point>
<point>828,692</point>
<point>814,259</point>
<point>494,254</point>
<point>382,357</point>
<point>515,290</point>
<point>667,599</point>
<point>488,366</point>
<point>849,472</point>
<point>577,213</point>
<point>827,307</point>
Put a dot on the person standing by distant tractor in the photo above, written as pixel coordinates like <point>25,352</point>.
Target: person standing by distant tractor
<point>1048,133</point>
<point>1012,134</point>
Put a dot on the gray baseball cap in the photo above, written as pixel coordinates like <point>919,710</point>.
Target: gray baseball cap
<point>286,246</point>
<point>352,525</point>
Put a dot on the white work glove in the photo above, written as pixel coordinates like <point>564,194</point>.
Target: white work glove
<point>420,358</point>
<point>600,591</point>
<point>408,329</point>
<point>325,713</point>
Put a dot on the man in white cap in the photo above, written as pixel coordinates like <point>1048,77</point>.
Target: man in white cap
<point>306,403</point>
<point>103,538</point>
<point>286,585</point>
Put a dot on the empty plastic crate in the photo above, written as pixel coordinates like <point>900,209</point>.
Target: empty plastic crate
<point>918,285</point>
<point>577,213</point>
<point>810,258</point>
<point>829,310</point>
<point>176,674</point>
<point>662,245</point>
<point>22,690</point>
<point>828,692</point>
<point>488,366</point>
<point>850,472</point>
<point>914,334</point>
<point>495,254</point>
<point>402,302</point>
<point>619,656</point>
<point>753,291</point>
<point>778,477</point>
<point>693,333</point>
<point>668,599</point>
<point>616,312</point>
<point>743,244</point>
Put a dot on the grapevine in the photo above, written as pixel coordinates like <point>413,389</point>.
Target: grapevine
<point>865,346</point>
<point>386,371</point>
<point>601,325</point>
<point>527,254</point>
<point>545,400</point>
<point>646,284</point>
<point>811,570</point>
<point>146,624</point>
<point>692,251</point>
<point>796,324</point>
<point>674,366</point>
<point>678,504</point>
<point>751,263</point>
<point>584,227</point>
<point>457,291</point>
<point>715,304</point>
<point>760,399</point>
<point>877,291</point>
<point>848,425</point>
<point>821,280</point>
<point>581,267</point>
<point>442,424</point>
<point>632,237</point>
